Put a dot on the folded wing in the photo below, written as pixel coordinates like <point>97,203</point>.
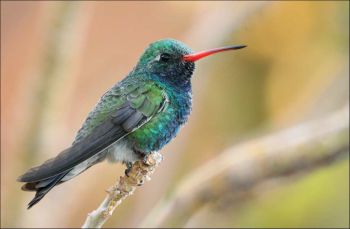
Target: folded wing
<point>140,105</point>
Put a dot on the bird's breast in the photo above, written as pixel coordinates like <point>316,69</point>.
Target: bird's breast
<point>164,125</point>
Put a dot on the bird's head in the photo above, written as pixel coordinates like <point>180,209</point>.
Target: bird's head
<point>171,61</point>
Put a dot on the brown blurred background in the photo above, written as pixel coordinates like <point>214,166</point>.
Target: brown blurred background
<point>58,58</point>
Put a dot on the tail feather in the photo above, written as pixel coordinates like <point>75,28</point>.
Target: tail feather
<point>42,187</point>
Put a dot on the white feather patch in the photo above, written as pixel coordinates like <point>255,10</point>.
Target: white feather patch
<point>121,152</point>
<point>81,167</point>
<point>117,152</point>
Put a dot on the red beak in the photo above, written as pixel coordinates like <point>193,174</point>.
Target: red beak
<point>199,55</point>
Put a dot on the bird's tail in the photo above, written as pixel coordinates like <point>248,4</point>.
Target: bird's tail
<point>42,187</point>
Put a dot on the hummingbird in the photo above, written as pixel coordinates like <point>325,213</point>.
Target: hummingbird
<point>137,116</point>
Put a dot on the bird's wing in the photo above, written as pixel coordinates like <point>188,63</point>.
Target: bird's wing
<point>138,107</point>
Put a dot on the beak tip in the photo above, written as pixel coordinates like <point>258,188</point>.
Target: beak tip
<point>199,55</point>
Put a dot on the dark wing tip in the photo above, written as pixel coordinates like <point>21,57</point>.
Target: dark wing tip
<point>24,178</point>
<point>30,175</point>
<point>21,178</point>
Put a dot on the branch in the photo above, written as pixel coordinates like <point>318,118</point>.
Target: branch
<point>140,171</point>
<point>242,167</point>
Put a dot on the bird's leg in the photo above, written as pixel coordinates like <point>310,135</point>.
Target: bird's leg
<point>143,157</point>
<point>128,168</point>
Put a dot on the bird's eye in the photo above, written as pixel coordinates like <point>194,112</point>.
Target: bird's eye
<point>164,57</point>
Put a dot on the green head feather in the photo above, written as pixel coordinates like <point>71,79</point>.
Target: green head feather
<point>163,61</point>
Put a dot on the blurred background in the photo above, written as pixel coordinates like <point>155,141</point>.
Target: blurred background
<point>58,58</point>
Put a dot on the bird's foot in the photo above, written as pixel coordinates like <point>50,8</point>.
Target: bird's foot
<point>128,168</point>
<point>142,155</point>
